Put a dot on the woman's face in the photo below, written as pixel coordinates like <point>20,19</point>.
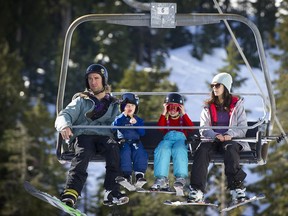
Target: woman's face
<point>218,89</point>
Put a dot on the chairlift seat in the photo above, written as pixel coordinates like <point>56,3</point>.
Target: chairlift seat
<point>152,138</point>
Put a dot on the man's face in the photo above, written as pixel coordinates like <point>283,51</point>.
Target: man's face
<point>95,82</point>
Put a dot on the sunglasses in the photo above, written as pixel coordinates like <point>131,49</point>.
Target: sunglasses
<point>217,85</point>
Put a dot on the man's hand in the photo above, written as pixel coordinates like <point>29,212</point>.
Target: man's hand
<point>66,133</point>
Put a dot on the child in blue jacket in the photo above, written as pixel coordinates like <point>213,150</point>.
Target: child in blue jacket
<point>133,155</point>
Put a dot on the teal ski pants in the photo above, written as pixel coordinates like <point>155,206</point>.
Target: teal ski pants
<point>173,144</point>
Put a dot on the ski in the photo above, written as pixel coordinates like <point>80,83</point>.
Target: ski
<point>185,203</point>
<point>140,184</point>
<point>179,190</point>
<point>116,202</point>
<point>123,182</point>
<point>248,200</point>
<point>52,200</point>
<point>168,191</point>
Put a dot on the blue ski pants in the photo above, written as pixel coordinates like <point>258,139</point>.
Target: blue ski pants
<point>133,157</point>
<point>173,144</point>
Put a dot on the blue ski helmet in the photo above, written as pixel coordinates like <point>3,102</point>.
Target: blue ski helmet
<point>101,70</point>
<point>129,98</point>
<point>174,98</point>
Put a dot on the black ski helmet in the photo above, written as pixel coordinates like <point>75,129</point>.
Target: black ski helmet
<point>101,70</point>
<point>174,98</point>
<point>129,98</point>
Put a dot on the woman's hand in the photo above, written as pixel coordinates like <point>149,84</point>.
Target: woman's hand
<point>223,138</point>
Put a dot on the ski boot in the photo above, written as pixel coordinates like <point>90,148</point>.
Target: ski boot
<point>114,198</point>
<point>237,190</point>
<point>161,184</point>
<point>238,195</point>
<point>140,180</point>
<point>179,185</point>
<point>69,197</point>
<point>195,195</point>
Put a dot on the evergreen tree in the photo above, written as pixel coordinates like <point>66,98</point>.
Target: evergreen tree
<point>206,37</point>
<point>274,173</point>
<point>265,19</point>
<point>13,96</point>
<point>29,156</point>
<point>233,61</point>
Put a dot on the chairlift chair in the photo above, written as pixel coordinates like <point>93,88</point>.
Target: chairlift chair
<point>163,15</point>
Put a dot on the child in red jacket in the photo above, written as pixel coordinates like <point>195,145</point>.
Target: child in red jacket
<point>173,144</point>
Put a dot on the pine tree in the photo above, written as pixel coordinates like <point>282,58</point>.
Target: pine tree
<point>274,173</point>
<point>265,19</point>
<point>233,62</point>
<point>13,96</point>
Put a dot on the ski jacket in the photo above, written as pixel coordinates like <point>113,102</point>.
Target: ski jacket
<point>80,112</point>
<point>181,121</point>
<point>130,134</point>
<point>237,118</point>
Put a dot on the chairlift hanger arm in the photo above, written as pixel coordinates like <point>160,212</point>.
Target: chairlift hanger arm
<point>144,20</point>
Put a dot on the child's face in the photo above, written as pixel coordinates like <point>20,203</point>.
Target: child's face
<point>130,108</point>
<point>173,109</point>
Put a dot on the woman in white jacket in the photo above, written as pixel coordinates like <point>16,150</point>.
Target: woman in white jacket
<point>222,109</point>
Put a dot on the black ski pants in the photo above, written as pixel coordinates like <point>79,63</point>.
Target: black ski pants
<point>86,146</point>
<point>202,157</point>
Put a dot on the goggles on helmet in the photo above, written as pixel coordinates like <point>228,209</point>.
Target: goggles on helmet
<point>130,98</point>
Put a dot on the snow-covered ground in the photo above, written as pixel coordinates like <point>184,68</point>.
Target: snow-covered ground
<point>192,75</point>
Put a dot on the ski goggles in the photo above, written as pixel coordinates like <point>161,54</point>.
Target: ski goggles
<point>173,106</point>
<point>130,98</point>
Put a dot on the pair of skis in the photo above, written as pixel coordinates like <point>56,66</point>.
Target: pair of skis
<point>228,208</point>
<point>138,187</point>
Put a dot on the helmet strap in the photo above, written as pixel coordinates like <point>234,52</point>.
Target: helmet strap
<point>98,92</point>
